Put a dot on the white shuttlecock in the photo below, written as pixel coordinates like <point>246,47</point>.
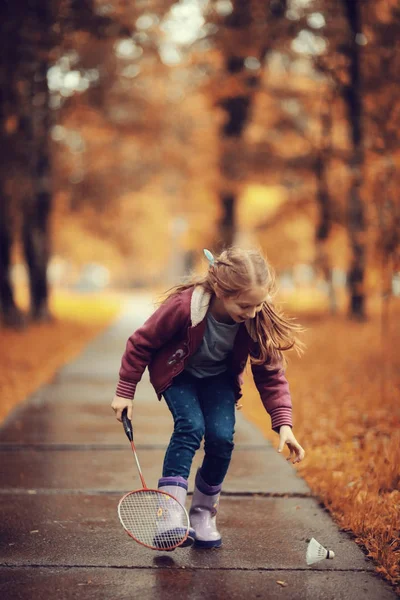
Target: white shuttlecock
<point>316,552</point>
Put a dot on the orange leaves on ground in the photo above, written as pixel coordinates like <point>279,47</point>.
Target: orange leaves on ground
<point>29,358</point>
<point>347,417</point>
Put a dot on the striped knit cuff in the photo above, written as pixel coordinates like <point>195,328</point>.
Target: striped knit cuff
<point>205,488</point>
<point>176,481</point>
<point>281,416</point>
<point>126,389</point>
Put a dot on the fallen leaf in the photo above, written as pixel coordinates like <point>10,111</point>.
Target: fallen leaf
<point>282,583</point>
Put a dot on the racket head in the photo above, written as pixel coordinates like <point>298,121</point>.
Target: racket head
<point>154,519</point>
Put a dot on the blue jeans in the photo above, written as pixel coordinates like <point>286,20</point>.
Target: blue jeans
<point>201,407</point>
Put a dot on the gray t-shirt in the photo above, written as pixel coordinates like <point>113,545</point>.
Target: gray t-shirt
<point>211,357</point>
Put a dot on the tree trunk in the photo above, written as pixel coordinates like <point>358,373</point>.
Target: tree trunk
<point>37,206</point>
<point>250,19</point>
<point>35,236</point>
<point>10,315</point>
<point>227,223</point>
<point>237,111</point>
<point>324,203</point>
<point>356,216</point>
<point>37,42</point>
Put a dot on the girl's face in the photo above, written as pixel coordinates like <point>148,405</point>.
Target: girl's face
<point>245,305</point>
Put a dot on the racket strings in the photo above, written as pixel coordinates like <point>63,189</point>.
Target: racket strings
<point>154,518</point>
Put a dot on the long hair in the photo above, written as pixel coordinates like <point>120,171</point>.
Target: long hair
<point>236,271</point>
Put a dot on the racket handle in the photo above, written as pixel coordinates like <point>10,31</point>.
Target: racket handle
<point>127,425</point>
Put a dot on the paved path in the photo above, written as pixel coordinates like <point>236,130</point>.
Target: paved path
<point>65,461</point>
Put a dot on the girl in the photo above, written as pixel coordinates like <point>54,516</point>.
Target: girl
<point>196,345</point>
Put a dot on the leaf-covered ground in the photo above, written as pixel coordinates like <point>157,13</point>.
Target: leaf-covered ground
<point>346,397</point>
<point>30,357</point>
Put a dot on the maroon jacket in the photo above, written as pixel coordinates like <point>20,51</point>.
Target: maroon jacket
<point>174,332</point>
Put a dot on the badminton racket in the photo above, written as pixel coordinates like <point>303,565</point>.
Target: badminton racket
<point>151,517</point>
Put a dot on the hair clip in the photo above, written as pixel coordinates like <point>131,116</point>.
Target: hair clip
<point>209,256</point>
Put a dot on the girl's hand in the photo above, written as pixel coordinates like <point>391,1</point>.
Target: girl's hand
<point>118,404</point>
<point>286,436</point>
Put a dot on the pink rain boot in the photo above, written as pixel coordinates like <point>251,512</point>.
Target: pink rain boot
<point>203,514</point>
<point>177,487</point>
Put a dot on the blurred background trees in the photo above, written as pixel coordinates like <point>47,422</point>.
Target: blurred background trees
<point>136,133</point>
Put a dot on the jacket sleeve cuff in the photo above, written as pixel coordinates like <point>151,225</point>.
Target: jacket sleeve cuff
<point>126,389</point>
<point>281,416</point>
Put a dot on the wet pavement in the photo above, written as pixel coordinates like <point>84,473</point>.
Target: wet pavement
<point>65,462</point>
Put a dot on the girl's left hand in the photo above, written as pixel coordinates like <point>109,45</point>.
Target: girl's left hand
<point>286,436</point>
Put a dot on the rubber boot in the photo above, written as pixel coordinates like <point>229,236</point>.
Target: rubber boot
<point>177,487</point>
<point>203,513</point>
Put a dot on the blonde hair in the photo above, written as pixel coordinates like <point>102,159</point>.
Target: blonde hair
<point>236,271</point>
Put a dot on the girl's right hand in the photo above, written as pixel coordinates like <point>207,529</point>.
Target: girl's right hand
<point>118,404</point>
